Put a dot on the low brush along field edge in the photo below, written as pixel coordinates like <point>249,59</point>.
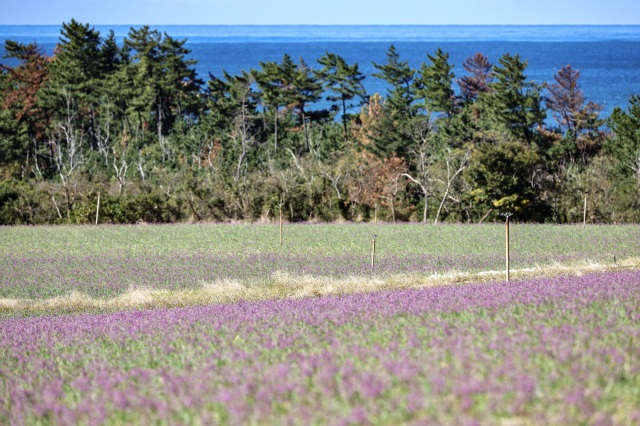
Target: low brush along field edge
<point>283,286</point>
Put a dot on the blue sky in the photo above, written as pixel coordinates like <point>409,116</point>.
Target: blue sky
<point>322,12</point>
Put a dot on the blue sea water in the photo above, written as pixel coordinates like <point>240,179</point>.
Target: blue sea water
<point>608,57</point>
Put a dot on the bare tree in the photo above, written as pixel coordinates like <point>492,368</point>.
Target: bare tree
<point>66,143</point>
<point>141,169</point>
<point>307,174</point>
<point>390,193</point>
<point>453,160</point>
<point>120,165</point>
<point>102,132</point>
<point>334,178</point>
<point>422,154</point>
<point>285,179</point>
<point>243,138</point>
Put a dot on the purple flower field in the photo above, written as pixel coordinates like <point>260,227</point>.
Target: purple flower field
<point>562,350</point>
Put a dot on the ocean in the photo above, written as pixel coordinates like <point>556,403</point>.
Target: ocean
<point>608,57</point>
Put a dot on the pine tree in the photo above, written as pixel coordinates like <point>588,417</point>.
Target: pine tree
<point>78,67</point>
<point>399,75</point>
<point>479,77</point>
<point>22,118</point>
<point>345,81</point>
<point>515,104</point>
<point>434,85</point>
<point>240,141</point>
<point>111,55</point>
<point>290,85</point>
<point>625,144</point>
<point>567,102</point>
<point>271,92</point>
<point>580,122</point>
<point>306,89</point>
<point>471,118</point>
<point>391,131</point>
<point>162,81</point>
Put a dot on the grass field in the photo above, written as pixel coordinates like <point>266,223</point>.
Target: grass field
<point>105,262</point>
<point>237,334</point>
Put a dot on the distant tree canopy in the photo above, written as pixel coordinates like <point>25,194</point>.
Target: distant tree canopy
<point>133,124</point>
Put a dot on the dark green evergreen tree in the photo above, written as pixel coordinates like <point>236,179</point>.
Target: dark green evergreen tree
<point>470,122</point>
<point>110,54</point>
<point>306,90</point>
<point>624,146</point>
<point>392,131</point>
<point>345,82</point>
<point>163,84</point>
<point>219,107</point>
<point>79,81</point>
<point>515,105</point>
<point>238,108</point>
<point>81,61</point>
<point>292,86</point>
<point>399,75</point>
<point>434,85</point>
<point>274,81</point>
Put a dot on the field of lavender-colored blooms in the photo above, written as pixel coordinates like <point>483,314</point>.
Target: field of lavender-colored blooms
<point>562,350</point>
<point>555,350</point>
<point>105,261</point>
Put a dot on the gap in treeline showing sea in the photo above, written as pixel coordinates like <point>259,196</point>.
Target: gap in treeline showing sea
<point>608,57</point>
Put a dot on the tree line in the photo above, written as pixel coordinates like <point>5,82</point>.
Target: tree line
<point>131,128</point>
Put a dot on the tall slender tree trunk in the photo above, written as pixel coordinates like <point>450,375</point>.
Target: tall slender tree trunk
<point>306,132</point>
<point>426,207</point>
<point>344,118</point>
<point>275,116</point>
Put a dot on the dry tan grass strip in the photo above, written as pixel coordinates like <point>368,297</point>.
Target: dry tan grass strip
<point>282,285</point>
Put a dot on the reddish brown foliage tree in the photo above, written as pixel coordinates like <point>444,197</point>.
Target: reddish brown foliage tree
<point>379,181</point>
<point>25,81</point>
<point>566,99</point>
<point>479,78</point>
<point>579,121</point>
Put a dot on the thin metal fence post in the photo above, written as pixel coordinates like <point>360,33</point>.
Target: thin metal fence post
<point>280,207</point>
<point>98,208</point>
<point>373,254</point>
<point>584,212</point>
<point>507,215</point>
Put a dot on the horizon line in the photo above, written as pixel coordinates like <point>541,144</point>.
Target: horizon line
<point>334,25</point>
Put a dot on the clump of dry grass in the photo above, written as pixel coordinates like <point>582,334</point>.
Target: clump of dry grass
<point>282,285</point>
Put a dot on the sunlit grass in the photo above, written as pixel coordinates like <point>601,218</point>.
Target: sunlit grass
<point>88,268</point>
<point>593,241</point>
